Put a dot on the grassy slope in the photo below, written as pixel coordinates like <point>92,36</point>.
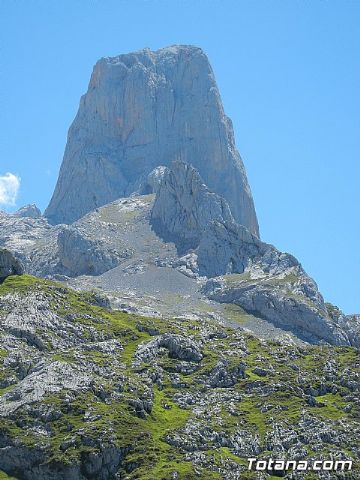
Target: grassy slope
<point>150,457</point>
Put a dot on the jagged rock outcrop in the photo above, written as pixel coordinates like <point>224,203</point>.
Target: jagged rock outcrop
<point>153,181</point>
<point>250,273</point>
<point>143,110</point>
<point>187,213</point>
<point>184,207</point>
<point>9,264</point>
<point>118,239</point>
<point>178,347</point>
<point>351,325</point>
<point>32,240</point>
<point>30,211</point>
<point>82,254</point>
<point>98,242</point>
<point>281,300</point>
<point>223,377</point>
<point>44,379</point>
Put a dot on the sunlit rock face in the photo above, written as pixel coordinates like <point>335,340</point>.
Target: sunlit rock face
<point>28,211</point>
<point>143,110</point>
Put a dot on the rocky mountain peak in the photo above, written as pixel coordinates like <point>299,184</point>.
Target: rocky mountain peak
<point>30,211</point>
<point>143,110</point>
<point>184,206</point>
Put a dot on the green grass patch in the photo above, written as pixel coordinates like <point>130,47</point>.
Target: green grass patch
<point>21,284</point>
<point>3,354</point>
<point>234,278</point>
<point>334,405</point>
<point>235,313</point>
<point>5,476</point>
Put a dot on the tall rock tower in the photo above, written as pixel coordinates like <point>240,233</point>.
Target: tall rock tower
<point>143,110</point>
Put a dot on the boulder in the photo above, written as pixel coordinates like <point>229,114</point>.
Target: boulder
<point>9,264</point>
<point>81,254</point>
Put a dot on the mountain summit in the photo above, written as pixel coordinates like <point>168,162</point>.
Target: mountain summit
<point>143,110</point>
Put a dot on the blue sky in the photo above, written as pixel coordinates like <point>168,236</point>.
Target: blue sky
<point>289,76</point>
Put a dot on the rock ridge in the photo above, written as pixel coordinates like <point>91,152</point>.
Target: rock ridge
<point>238,267</point>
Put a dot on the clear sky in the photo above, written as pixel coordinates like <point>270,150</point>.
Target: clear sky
<point>289,75</point>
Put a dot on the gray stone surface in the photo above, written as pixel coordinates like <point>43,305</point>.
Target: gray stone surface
<point>223,377</point>
<point>351,325</point>
<point>76,380</point>
<point>83,391</point>
<point>44,380</point>
<point>30,211</point>
<point>184,207</point>
<point>282,302</point>
<point>153,181</point>
<point>143,110</point>
<point>203,229</point>
<point>80,253</point>
<point>32,240</point>
<point>126,245</point>
<point>9,264</point>
<point>31,332</point>
<point>252,274</point>
<point>178,347</point>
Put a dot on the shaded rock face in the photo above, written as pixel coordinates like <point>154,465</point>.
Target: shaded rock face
<point>153,181</point>
<point>351,325</point>
<point>222,377</point>
<point>220,260</point>
<point>30,239</point>
<point>9,265</point>
<point>81,254</point>
<point>143,110</point>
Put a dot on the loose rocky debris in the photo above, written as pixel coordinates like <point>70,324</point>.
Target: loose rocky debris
<point>87,392</point>
<point>184,241</point>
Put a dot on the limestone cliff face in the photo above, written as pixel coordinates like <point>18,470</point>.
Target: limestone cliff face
<point>143,110</point>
